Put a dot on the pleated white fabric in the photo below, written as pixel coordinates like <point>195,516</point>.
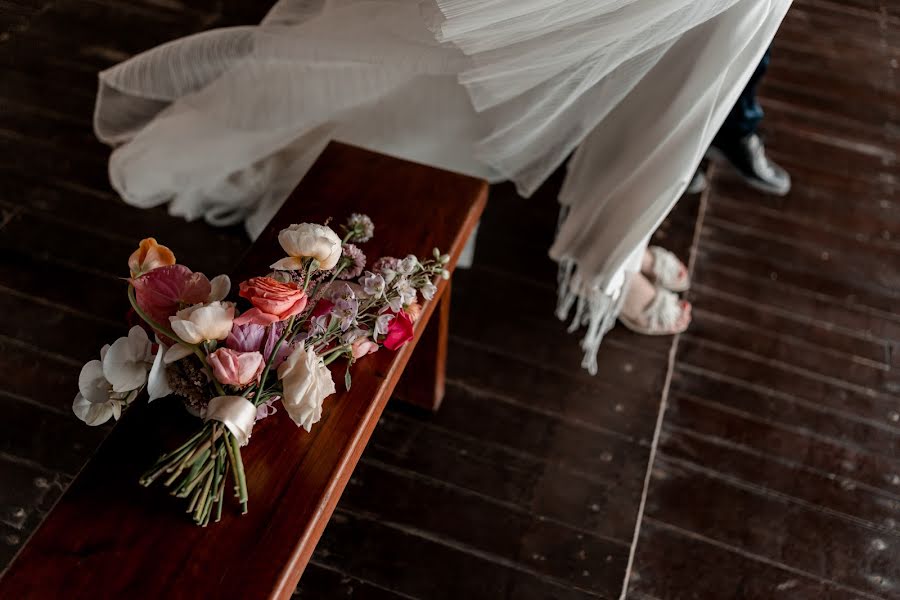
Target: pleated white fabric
<point>222,125</point>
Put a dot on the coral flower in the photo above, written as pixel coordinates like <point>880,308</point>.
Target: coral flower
<point>149,256</point>
<point>272,301</point>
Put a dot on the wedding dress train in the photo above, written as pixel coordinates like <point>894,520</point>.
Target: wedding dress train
<point>222,124</point>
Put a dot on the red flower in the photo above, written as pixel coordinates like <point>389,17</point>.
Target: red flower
<point>322,307</point>
<point>399,331</point>
<point>272,301</point>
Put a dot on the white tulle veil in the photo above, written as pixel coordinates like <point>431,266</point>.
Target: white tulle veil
<point>221,125</point>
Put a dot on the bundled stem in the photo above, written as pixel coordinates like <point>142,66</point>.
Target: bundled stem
<point>198,469</point>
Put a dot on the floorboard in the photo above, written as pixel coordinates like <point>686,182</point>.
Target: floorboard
<point>777,473</point>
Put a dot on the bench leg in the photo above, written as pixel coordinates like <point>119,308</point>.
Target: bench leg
<point>422,382</point>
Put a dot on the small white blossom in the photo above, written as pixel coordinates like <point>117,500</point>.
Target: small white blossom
<point>428,290</point>
<point>372,284</point>
<point>382,323</point>
<point>408,265</point>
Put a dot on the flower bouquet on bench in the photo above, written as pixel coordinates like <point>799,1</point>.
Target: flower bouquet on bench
<point>231,369</point>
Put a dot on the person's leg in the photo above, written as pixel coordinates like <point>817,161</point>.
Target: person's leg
<point>738,143</point>
<point>746,114</point>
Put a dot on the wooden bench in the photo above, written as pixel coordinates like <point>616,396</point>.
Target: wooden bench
<point>110,538</point>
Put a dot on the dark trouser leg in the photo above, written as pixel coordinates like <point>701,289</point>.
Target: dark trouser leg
<point>746,114</point>
<point>738,144</point>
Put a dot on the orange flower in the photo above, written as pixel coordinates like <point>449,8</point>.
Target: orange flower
<point>149,256</point>
<point>272,301</point>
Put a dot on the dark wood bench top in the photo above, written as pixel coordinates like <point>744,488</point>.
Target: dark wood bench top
<point>110,538</point>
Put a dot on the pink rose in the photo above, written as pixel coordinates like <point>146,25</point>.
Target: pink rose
<point>272,301</point>
<point>399,331</point>
<point>362,346</point>
<point>236,368</point>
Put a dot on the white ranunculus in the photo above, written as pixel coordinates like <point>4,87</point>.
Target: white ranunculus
<point>306,382</point>
<point>96,401</point>
<point>203,322</point>
<point>127,361</point>
<point>308,240</point>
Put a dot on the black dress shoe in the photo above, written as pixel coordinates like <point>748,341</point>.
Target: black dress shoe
<point>748,157</point>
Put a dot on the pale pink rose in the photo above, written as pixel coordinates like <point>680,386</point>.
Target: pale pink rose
<point>236,368</point>
<point>363,346</point>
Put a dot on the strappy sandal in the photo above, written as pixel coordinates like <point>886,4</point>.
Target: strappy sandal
<point>661,316</point>
<point>667,271</point>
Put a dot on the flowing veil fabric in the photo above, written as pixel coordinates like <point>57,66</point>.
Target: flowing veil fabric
<point>222,125</point>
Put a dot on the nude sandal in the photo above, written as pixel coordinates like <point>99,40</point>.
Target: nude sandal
<point>661,315</point>
<point>667,271</point>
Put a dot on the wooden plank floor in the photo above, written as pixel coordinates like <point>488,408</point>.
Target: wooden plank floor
<point>778,468</point>
<point>776,473</point>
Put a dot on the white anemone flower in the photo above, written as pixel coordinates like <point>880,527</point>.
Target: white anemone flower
<point>96,401</point>
<point>127,361</point>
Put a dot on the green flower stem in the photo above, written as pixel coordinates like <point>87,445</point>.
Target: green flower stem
<point>334,355</point>
<point>194,499</point>
<point>239,472</point>
<point>204,498</point>
<point>194,479</point>
<point>220,494</point>
<point>233,463</point>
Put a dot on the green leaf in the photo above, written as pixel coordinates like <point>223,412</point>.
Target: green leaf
<point>347,379</point>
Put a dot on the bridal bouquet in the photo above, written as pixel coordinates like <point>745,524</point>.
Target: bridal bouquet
<point>232,368</point>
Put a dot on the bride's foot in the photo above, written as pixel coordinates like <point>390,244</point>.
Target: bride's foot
<point>649,310</point>
<point>665,270</point>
